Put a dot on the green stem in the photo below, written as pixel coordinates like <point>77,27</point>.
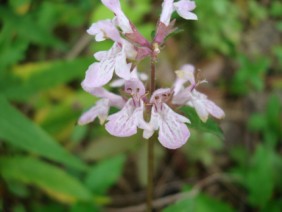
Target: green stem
<point>150,156</point>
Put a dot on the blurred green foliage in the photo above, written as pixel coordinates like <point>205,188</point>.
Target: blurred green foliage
<point>49,164</point>
<point>199,203</point>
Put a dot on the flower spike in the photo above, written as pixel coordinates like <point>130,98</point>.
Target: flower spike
<point>121,61</point>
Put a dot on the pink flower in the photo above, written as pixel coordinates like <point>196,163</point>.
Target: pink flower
<point>190,96</point>
<point>129,48</point>
<point>113,60</point>
<point>182,7</point>
<point>101,108</point>
<point>165,27</point>
<point>173,132</point>
<point>125,122</point>
<point>128,29</point>
<point>103,30</point>
<point>186,74</point>
<point>122,20</point>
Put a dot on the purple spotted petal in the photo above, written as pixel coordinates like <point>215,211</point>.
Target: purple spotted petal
<point>125,122</point>
<point>134,87</point>
<point>173,133</point>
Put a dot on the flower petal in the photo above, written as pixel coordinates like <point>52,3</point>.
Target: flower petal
<point>98,74</point>
<point>214,110</point>
<point>129,49</point>
<point>173,133</point>
<point>122,20</point>
<point>178,85</point>
<point>122,68</point>
<point>182,97</point>
<point>200,108</point>
<point>167,10</point>
<point>104,29</point>
<point>186,73</point>
<point>113,5</point>
<point>101,110</point>
<point>101,55</point>
<point>114,100</point>
<point>117,83</point>
<point>184,8</point>
<point>125,122</point>
<point>134,87</point>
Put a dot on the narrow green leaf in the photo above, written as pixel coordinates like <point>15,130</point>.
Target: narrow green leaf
<point>51,75</point>
<point>56,182</point>
<point>17,130</point>
<point>105,174</point>
<point>210,126</point>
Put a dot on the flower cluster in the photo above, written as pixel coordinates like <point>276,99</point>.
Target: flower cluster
<point>129,48</point>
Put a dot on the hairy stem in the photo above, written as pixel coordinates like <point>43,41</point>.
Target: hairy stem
<point>150,156</point>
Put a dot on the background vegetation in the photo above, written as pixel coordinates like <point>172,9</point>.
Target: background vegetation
<point>47,163</point>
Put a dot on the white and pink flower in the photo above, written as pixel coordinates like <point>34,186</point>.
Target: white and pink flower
<point>191,97</point>
<point>125,122</point>
<point>165,25</point>
<point>173,132</point>
<point>101,108</point>
<point>121,59</point>
<point>122,20</point>
<point>182,7</point>
<point>103,30</point>
<point>110,62</point>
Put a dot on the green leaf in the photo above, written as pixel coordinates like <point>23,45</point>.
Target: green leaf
<point>17,130</point>
<point>276,8</point>
<point>46,75</point>
<point>205,202</point>
<point>84,207</point>
<point>181,206</point>
<point>43,207</point>
<point>199,203</point>
<point>260,177</point>
<point>105,174</point>
<point>274,114</point>
<point>210,126</point>
<point>54,181</point>
<point>257,122</point>
<point>273,206</point>
<point>202,147</point>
